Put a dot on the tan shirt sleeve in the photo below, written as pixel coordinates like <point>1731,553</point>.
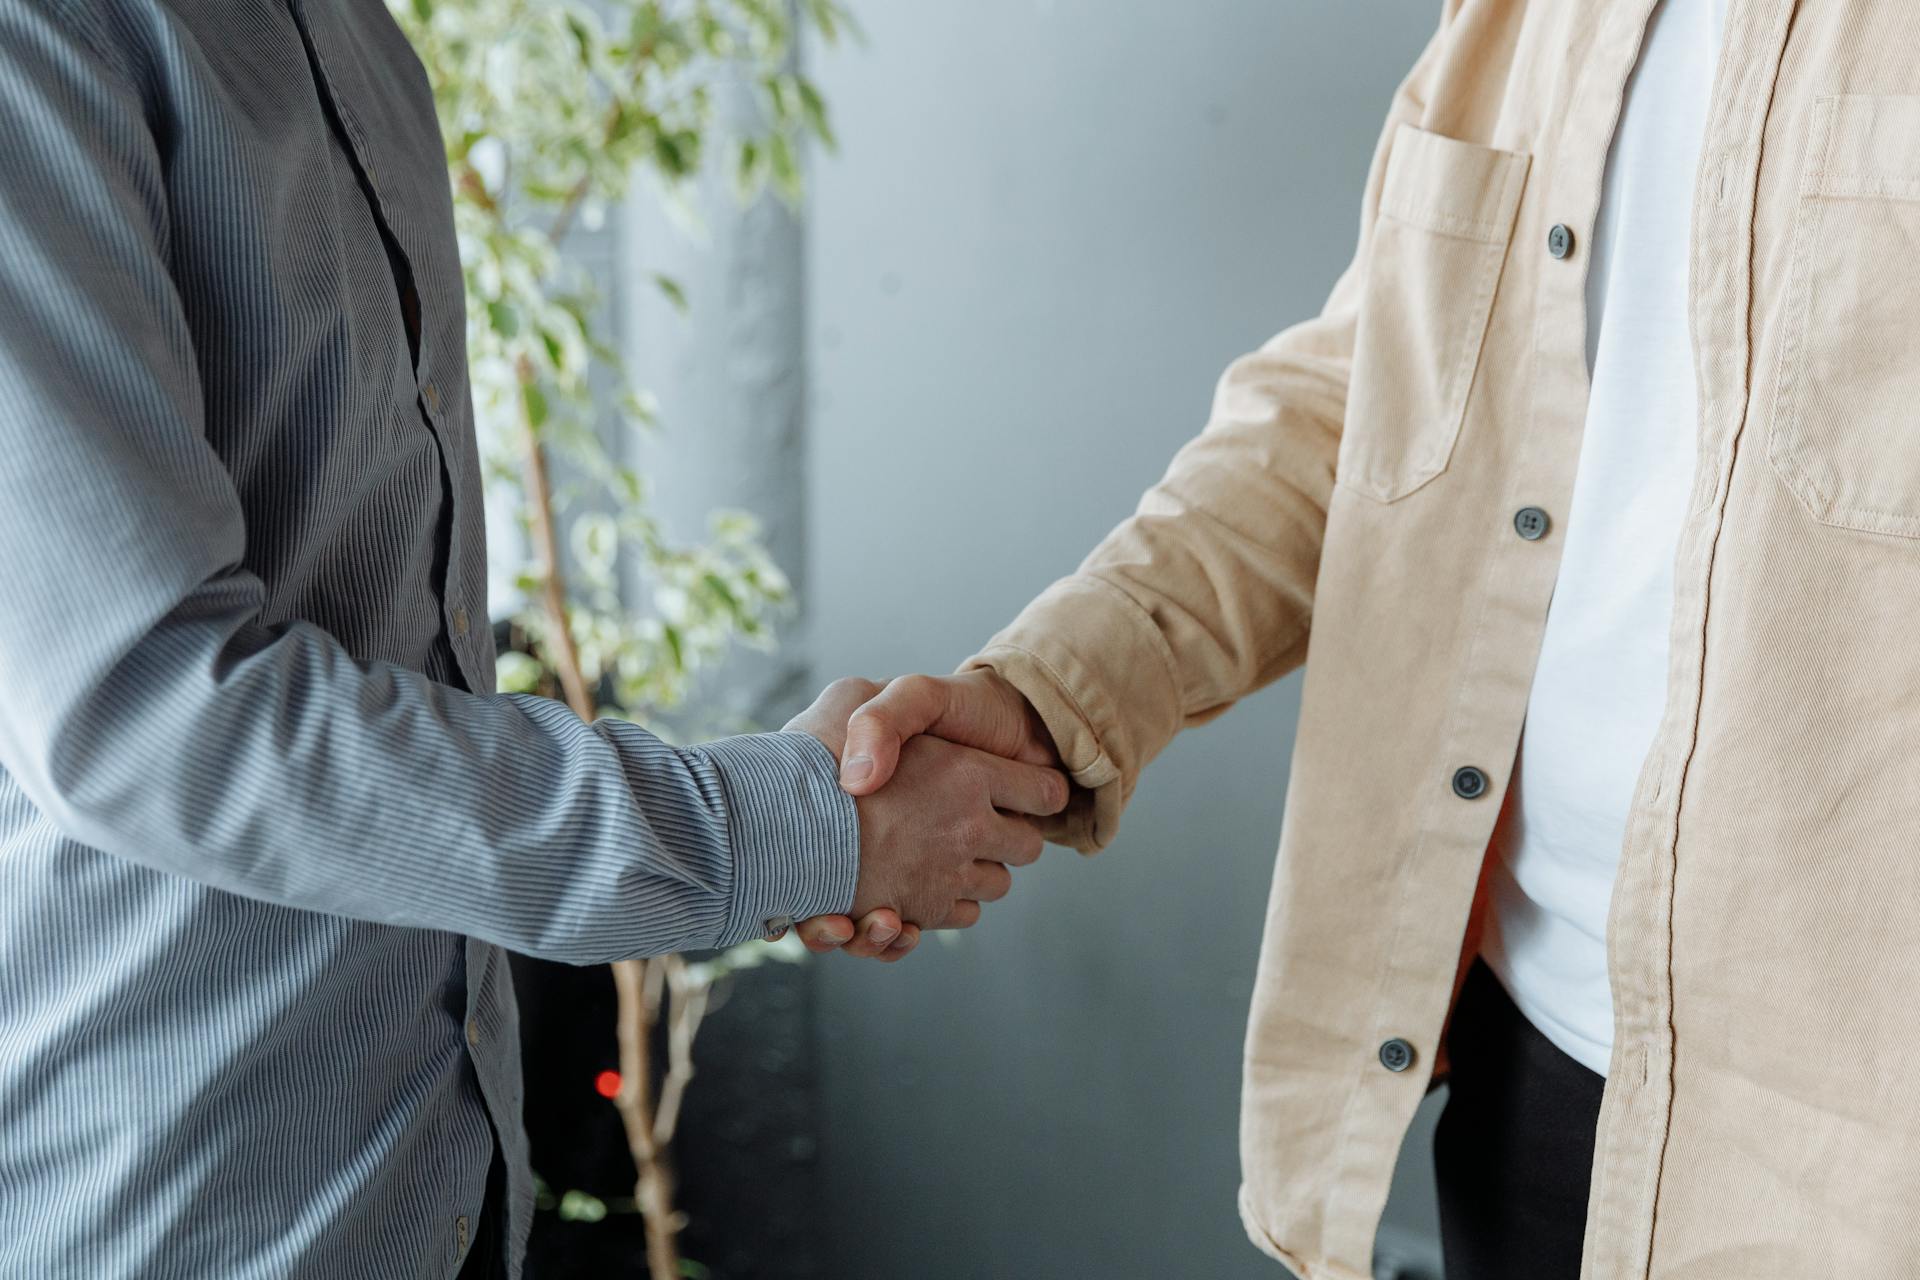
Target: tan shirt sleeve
<point>1206,593</point>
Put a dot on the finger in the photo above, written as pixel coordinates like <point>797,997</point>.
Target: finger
<point>877,931</point>
<point>1017,842</point>
<point>826,719</point>
<point>877,731</point>
<point>989,881</point>
<point>1024,788</point>
<point>825,933</point>
<point>909,939</point>
<point>965,914</point>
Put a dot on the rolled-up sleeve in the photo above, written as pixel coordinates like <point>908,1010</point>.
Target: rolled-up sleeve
<point>147,711</point>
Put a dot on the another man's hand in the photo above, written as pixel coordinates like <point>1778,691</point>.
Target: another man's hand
<point>938,843</point>
<point>977,708</point>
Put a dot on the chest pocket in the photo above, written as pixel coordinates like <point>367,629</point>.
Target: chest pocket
<point>1446,216</point>
<point>1846,427</point>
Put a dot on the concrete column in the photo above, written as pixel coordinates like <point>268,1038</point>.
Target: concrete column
<point>731,381</point>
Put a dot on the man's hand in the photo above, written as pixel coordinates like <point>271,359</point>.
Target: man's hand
<point>881,934</point>
<point>976,709</point>
<point>938,844</point>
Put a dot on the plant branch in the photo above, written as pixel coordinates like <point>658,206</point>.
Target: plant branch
<point>564,652</point>
<point>653,1182</point>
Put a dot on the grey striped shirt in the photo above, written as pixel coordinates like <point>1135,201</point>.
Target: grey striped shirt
<point>263,823</point>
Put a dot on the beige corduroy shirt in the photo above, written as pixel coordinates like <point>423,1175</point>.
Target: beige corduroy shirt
<point>1368,499</point>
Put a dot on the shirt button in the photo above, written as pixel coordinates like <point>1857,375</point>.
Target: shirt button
<point>460,1230</point>
<point>1396,1055</point>
<point>473,1038</point>
<point>1531,523</point>
<point>1560,240</point>
<point>777,927</point>
<point>460,621</point>
<point>431,393</point>
<point>1469,783</point>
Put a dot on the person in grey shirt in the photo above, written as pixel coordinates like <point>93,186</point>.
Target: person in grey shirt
<point>264,825</point>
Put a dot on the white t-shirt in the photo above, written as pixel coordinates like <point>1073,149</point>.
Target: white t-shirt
<point>1601,685</point>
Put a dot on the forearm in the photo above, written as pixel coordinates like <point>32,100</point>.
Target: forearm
<point>1202,596</point>
<point>269,764</point>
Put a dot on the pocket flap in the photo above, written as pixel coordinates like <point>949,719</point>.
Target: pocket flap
<point>1451,187</point>
<point>1862,145</point>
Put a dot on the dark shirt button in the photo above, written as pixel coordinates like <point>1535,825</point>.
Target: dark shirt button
<point>1469,783</point>
<point>1396,1054</point>
<point>1560,240</point>
<point>1530,523</point>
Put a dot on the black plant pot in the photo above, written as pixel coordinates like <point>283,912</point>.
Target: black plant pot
<point>747,1144</point>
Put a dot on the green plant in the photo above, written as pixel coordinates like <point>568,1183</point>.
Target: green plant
<point>550,108</point>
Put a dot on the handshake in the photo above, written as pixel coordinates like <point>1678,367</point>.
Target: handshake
<point>949,774</point>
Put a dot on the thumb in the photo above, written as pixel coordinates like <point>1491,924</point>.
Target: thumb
<point>905,708</point>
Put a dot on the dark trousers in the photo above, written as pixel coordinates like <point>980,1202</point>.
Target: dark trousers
<point>1514,1148</point>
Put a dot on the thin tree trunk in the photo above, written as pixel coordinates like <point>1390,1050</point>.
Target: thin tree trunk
<point>638,984</point>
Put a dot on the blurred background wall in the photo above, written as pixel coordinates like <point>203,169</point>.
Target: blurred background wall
<point>1049,226</point>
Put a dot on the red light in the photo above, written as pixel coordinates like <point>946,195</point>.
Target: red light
<point>607,1083</point>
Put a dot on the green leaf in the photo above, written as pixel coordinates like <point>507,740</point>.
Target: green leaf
<point>813,108</point>
<point>582,39</point>
<point>504,318</point>
<point>784,165</point>
<point>749,168</point>
<point>578,1206</point>
<point>718,585</point>
<point>536,404</point>
<point>518,673</point>
<point>672,289</point>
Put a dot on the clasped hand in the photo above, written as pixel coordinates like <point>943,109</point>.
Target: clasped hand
<point>949,774</point>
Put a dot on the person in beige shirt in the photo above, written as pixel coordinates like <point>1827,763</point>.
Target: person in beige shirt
<point>1383,494</point>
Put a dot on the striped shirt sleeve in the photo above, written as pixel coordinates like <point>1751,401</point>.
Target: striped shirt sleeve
<point>148,711</point>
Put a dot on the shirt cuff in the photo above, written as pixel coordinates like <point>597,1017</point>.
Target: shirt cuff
<point>794,833</point>
<point>1098,671</point>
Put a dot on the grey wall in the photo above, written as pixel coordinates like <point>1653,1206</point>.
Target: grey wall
<point>729,376</point>
<point>1049,226</point>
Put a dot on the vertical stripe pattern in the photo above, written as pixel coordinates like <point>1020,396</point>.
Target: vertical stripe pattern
<point>263,822</point>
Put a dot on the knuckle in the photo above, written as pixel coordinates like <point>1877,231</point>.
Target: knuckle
<point>974,830</point>
<point>914,685</point>
<point>852,687</point>
<point>972,777</point>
